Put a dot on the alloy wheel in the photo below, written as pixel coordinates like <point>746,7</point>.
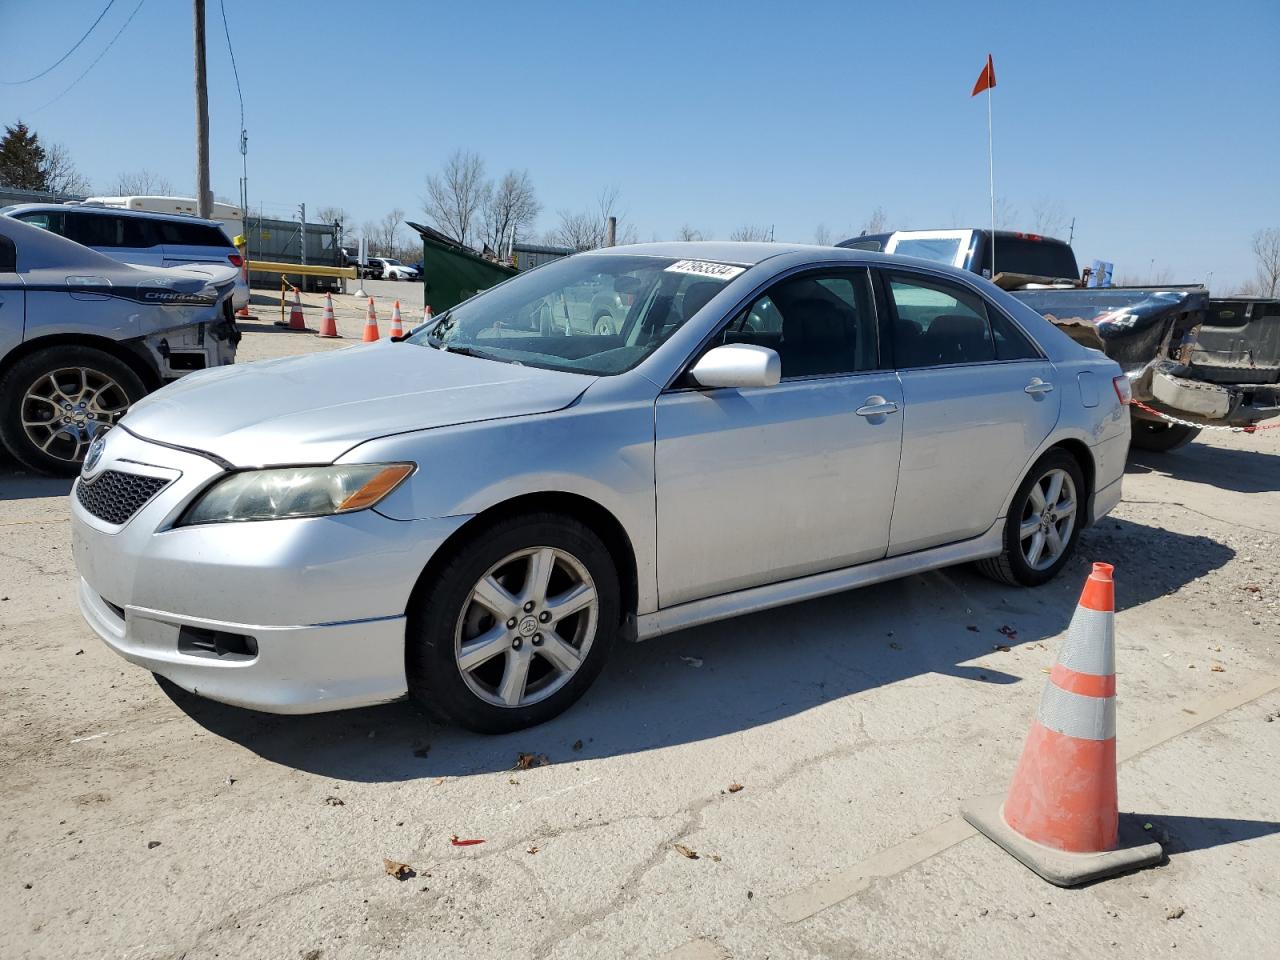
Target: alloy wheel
<point>65,409</point>
<point>1048,519</point>
<point>526,627</point>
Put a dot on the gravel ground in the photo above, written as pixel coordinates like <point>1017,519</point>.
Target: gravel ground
<point>141,822</point>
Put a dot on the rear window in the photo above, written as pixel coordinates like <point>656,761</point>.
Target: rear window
<point>1036,258</point>
<point>192,234</point>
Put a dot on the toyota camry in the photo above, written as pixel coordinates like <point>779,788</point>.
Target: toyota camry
<point>474,514</point>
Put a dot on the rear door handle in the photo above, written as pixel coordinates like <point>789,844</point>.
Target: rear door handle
<point>1037,387</point>
<point>876,407</point>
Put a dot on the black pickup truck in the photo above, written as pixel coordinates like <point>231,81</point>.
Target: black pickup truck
<point>1202,360</point>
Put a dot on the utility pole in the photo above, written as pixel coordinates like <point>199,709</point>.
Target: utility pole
<point>204,199</point>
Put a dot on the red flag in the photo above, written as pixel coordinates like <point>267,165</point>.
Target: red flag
<point>986,79</point>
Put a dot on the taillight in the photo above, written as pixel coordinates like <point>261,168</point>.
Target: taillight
<point>1123,389</point>
<point>236,259</point>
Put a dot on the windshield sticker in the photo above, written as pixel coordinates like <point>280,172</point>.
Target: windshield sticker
<point>706,268</point>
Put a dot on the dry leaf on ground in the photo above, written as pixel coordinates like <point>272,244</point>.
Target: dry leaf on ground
<point>686,852</point>
<point>525,761</point>
<point>401,871</point>
<point>458,842</point>
<point>735,787</point>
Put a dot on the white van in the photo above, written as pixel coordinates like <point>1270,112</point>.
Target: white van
<point>231,217</point>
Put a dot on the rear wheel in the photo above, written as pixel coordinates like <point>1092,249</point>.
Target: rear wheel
<point>55,401</point>
<point>1043,523</point>
<point>604,325</point>
<point>515,626</point>
<point>1160,436</point>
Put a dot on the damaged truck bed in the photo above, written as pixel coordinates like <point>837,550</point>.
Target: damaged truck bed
<point>1208,362</point>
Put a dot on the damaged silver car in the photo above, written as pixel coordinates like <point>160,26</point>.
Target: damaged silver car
<point>83,337</point>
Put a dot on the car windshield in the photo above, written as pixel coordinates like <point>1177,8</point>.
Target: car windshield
<point>590,313</point>
<point>391,263</point>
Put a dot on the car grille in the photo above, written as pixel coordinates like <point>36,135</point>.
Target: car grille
<point>115,497</point>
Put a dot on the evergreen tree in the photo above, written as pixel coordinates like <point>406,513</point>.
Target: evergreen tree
<point>22,159</point>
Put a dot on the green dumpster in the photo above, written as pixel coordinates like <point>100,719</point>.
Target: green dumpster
<point>451,272</point>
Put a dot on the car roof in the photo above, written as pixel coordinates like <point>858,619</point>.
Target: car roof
<point>749,254</point>
<point>104,209</point>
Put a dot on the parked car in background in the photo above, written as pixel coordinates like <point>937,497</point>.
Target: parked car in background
<point>142,238</point>
<point>477,513</point>
<point>391,269</point>
<point>84,336</point>
<point>1200,360</point>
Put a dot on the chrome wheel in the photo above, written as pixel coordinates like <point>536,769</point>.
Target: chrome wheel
<point>66,408</point>
<point>526,627</point>
<point>1048,519</point>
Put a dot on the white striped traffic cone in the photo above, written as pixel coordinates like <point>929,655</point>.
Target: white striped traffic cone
<point>397,327</point>
<point>328,324</point>
<point>295,314</point>
<point>1060,817</point>
<point>370,324</point>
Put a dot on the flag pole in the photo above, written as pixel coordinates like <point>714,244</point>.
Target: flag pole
<point>991,178</point>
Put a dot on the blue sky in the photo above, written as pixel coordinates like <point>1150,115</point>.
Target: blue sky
<point>1156,125</point>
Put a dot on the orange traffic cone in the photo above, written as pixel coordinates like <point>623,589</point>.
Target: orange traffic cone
<point>295,314</point>
<point>1060,817</point>
<point>397,328</point>
<point>328,325</point>
<point>370,324</point>
<point>426,313</point>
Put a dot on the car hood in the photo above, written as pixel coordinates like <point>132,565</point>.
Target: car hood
<point>312,409</point>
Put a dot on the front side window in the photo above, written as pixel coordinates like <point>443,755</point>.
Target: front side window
<point>589,313</point>
<point>819,324</point>
<point>938,323</point>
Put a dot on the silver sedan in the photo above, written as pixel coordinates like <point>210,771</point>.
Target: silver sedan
<point>475,514</point>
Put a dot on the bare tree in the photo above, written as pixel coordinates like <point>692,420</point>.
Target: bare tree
<point>61,174</point>
<point>331,215</point>
<point>750,231</point>
<point>510,208</point>
<point>141,183</point>
<point>383,240</point>
<point>878,222</point>
<point>457,195</point>
<point>588,229</point>
<point>822,235</point>
<point>1006,214</point>
<point>687,232</point>
<point>1048,217</point>
<point>1266,247</point>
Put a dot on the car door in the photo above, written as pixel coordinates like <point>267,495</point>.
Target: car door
<point>978,400</point>
<point>765,484</point>
<point>12,298</point>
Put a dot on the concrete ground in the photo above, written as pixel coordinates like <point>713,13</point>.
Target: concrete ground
<point>141,822</point>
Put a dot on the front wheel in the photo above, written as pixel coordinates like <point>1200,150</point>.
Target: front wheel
<point>604,325</point>
<point>1043,523</point>
<point>515,626</point>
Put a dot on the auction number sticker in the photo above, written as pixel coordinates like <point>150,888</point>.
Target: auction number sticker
<point>706,268</point>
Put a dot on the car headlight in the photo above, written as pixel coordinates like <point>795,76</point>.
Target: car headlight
<point>296,492</point>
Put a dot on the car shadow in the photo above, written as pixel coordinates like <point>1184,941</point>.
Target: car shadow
<point>17,483</point>
<point>1244,471</point>
<point>725,677</point>
<point>1179,834</point>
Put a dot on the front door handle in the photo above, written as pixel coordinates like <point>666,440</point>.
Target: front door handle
<point>876,406</point>
<point>1037,387</point>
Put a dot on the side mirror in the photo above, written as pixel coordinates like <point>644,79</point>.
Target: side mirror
<point>737,365</point>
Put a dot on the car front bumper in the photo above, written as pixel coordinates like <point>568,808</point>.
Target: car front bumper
<point>287,616</point>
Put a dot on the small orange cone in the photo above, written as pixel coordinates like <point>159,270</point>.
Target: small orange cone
<point>370,324</point>
<point>426,313</point>
<point>397,328</point>
<point>328,325</point>
<point>1061,817</point>
<point>295,314</point>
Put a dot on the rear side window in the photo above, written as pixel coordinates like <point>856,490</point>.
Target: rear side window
<point>192,234</point>
<point>1011,343</point>
<point>95,231</point>
<point>52,222</point>
<point>8,256</point>
<point>937,323</point>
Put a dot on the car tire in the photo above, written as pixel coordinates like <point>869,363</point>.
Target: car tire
<point>1161,437</point>
<point>65,374</point>
<point>603,326</point>
<point>1019,563</point>
<point>490,694</point>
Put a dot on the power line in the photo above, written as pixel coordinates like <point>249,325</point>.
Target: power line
<point>69,52</point>
<point>111,44</point>
<point>235,72</point>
